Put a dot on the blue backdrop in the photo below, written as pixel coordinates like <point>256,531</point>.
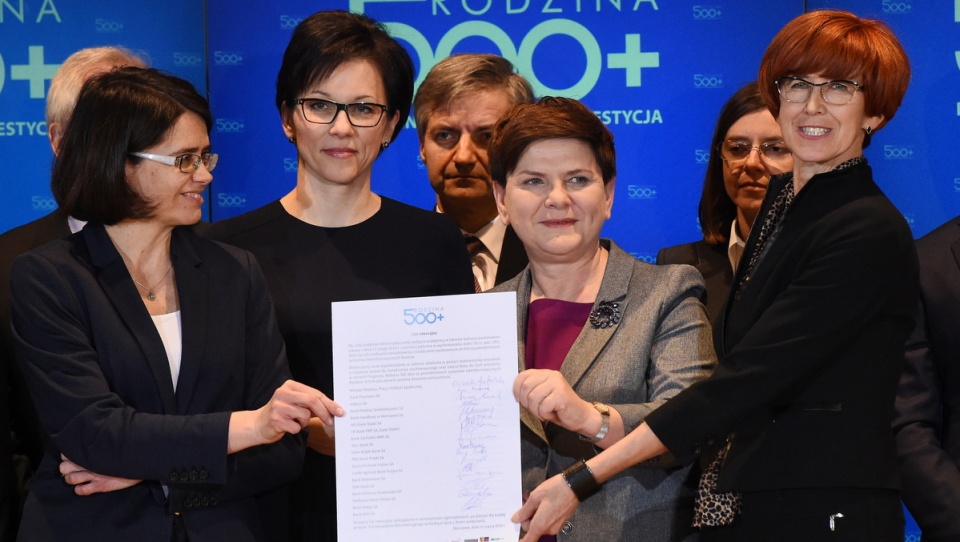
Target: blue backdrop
<point>655,71</point>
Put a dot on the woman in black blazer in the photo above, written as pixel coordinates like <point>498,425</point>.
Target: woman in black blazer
<point>733,188</point>
<point>796,418</point>
<point>152,355</point>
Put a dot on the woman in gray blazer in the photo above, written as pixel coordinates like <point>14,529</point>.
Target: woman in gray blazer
<point>604,338</point>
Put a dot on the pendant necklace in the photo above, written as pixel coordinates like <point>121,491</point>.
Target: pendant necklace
<point>150,295</point>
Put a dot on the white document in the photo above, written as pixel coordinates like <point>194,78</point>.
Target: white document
<point>429,449</point>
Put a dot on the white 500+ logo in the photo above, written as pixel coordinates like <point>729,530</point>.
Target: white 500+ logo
<point>228,126</point>
<point>706,12</point>
<point>641,192</point>
<point>224,58</point>
<point>231,200</point>
<point>40,203</point>
<point>107,26</point>
<point>897,152</point>
<point>186,59</point>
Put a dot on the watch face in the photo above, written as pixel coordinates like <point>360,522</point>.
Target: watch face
<point>602,408</point>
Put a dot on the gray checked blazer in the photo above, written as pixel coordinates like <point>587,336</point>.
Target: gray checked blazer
<point>661,345</point>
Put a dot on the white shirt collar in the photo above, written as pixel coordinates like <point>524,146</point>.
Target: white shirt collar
<point>735,246</point>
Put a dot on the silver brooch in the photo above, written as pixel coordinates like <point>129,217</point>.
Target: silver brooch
<point>605,314</point>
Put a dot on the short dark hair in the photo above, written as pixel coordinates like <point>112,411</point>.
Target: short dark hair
<point>461,74</point>
<point>324,41</point>
<point>548,118</point>
<point>839,45</point>
<point>118,112</point>
<point>717,210</point>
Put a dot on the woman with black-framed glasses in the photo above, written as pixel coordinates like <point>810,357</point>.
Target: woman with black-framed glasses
<point>746,150</point>
<point>152,354</point>
<point>343,92</point>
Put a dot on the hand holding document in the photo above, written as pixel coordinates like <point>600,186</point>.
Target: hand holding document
<point>430,447</point>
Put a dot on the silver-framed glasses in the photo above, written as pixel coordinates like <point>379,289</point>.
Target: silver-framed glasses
<point>187,163</point>
<point>836,92</point>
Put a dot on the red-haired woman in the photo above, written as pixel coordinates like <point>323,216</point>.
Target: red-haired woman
<point>796,418</point>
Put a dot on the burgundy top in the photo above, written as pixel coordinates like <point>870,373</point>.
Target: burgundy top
<point>553,326</point>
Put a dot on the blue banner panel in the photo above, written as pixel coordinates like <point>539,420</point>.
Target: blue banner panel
<point>655,72</point>
<point>36,36</point>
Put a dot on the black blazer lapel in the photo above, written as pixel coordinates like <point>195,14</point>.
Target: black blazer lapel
<point>193,288</point>
<point>118,286</point>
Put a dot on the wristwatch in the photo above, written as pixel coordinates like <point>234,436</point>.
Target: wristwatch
<point>604,411</point>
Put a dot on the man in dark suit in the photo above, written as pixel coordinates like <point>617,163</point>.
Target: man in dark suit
<point>456,108</point>
<point>21,441</point>
<point>927,421</point>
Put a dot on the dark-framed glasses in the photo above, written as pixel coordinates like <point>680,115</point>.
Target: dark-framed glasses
<point>360,114</point>
<point>836,92</point>
<point>733,151</point>
<point>187,163</point>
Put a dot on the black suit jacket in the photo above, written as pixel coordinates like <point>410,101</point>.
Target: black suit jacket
<point>927,419</point>
<point>810,347</point>
<point>714,265</point>
<point>513,257</point>
<point>20,456</point>
<point>89,349</point>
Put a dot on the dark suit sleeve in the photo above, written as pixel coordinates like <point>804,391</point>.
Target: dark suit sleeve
<point>261,468</point>
<point>87,420</point>
<point>930,477</point>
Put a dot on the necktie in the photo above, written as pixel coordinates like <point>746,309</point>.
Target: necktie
<point>474,247</point>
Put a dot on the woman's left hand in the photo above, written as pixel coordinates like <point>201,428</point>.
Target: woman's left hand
<point>87,483</point>
<point>549,397</point>
<point>548,506</point>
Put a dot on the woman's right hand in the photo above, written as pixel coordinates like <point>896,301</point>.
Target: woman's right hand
<point>549,397</point>
<point>289,411</point>
<point>86,482</point>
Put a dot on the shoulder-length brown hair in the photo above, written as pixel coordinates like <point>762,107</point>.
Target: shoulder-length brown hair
<point>118,112</point>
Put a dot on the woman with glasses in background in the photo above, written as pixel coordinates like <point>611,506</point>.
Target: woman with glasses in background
<point>733,188</point>
<point>811,342</point>
<point>152,355</point>
<point>344,92</point>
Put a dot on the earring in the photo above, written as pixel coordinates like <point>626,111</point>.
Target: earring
<point>292,139</point>
<point>869,130</point>
<point>384,145</point>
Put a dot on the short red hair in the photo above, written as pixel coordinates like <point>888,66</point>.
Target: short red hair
<point>839,45</point>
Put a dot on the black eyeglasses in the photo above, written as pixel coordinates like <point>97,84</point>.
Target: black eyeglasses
<point>360,114</point>
<point>798,90</point>
<point>734,151</point>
